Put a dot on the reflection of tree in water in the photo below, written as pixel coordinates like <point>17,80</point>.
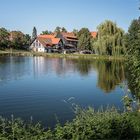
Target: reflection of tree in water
<point>110,74</point>
<point>83,66</point>
<point>13,68</point>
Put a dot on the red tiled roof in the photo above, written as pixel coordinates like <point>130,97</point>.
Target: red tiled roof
<point>47,36</point>
<point>69,34</point>
<point>55,40</point>
<point>94,34</point>
<point>46,40</point>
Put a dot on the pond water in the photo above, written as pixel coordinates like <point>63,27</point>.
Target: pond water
<point>47,88</point>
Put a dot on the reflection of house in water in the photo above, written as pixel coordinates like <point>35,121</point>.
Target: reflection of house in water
<point>62,66</point>
<point>40,66</point>
<point>58,66</point>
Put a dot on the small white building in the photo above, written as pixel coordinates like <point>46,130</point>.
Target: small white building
<point>46,43</point>
<point>37,46</point>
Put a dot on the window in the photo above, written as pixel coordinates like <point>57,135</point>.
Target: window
<point>36,43</point>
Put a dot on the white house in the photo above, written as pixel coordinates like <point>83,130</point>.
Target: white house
<point>46,43</point>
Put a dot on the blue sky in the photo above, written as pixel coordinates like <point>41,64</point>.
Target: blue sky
<point>47,14</point>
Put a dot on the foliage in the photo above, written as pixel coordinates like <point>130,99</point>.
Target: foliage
<point>46,32</point>
<point>4,38</point>
<point>84,37</point>
<point>88,124</point>
<point>110,39</point>
<point>34,34</point>
<point>18,39</point>
<point>133,56</point>
<point>60,29</point>
<point>27,39</point>
<point>75,31</point>
<point>63,29</point>
<point>13,39</point>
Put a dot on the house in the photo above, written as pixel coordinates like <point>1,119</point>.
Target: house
<point>46,43</point>
<point>94,34</point>
<point>69,40</point>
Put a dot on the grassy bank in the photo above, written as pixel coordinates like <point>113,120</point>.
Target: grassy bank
<point>87,125</point>
<point>74,56</point>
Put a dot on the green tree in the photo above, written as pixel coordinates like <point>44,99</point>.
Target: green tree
<point>4,38</point>
<point>46,32</point>
<point>27,39</point>
<point>63,29</point>
<point>133,56</point>
<point>75,31</point>
<point>84,37</point>
<point>57,29</point>
<point>110,39</point>
<point>34,34</point>
<point>18,39</point>
<point>60,29</point>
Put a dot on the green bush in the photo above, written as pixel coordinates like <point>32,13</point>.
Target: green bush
<point>88,124</point>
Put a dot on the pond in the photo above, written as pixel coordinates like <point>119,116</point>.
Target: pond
<point>47,88</point>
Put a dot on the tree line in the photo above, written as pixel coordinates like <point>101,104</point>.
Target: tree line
<point>13,39</point>
<point>110,39</point>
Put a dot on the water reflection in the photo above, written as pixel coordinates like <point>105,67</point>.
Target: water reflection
<point>13,68</point>
<point>109,73</point>
<point>43,65</point>
<point>38,86</point>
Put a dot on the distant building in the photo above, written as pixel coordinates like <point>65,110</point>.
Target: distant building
<point>69,40</point>
<point>46,43</point>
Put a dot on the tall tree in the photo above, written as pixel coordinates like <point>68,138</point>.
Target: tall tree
<point>57,29</point>
<point>110,39</point>
<point>18,39</point>
<point>34,34</point>
<point>4,38</point>
<point>27,39</point>
<point>75,31</point>
<point>133,55</point>
<point>60,29</point>
<point>84,37</point>
<point>46,32</point>
<point>63,29</point>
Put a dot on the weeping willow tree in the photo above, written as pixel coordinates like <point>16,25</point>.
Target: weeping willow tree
<point>110,39</point>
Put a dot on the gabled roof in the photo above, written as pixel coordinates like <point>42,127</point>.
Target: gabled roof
<point>46,36</point>
<point>46,40</point>
<point>69,36</point>
<point>55,40</point>
<point>94,34</point>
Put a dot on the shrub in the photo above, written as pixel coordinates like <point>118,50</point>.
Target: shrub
<point>88,124</point>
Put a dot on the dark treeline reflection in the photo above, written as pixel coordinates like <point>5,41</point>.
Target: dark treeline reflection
<point>13,68</point>
<point>110,73</point>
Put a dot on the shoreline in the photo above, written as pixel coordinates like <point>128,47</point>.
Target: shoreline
<point>57,55</point>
